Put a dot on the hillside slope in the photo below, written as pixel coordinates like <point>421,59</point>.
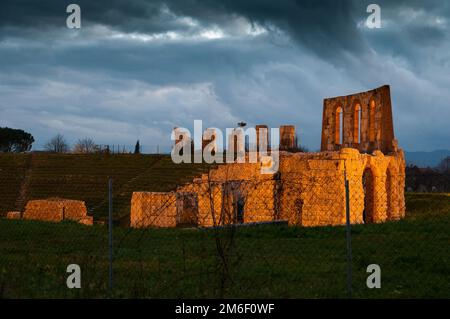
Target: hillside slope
<point>85,177</point>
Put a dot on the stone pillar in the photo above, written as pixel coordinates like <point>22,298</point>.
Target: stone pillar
<point>236,141</point>
<point>262,137</point>
<point>182,136</point>
<point>210,136</point>
<point>287,137</point>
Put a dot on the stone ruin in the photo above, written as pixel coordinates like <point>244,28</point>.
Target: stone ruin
<point>358,145</point>
<point>54,210</point>
<point>287,138</point>
<point>362,121</point>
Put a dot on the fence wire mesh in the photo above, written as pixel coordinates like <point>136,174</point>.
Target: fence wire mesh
<point>180,232</point>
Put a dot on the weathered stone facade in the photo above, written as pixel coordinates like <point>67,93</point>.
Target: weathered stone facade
<point>56,210</point>
<point>153,209</point>
<point>262,137</point>
<point>209,141</point>
<point>362,121</point>
<point>287,137</point>
<point>308,189</point>
<point>315,187</point>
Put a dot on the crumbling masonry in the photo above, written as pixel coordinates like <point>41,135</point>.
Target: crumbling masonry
<point>358,144</point>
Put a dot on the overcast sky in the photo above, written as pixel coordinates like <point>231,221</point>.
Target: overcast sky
<point>136,69</point>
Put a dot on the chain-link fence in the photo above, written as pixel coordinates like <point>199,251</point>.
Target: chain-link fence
<point>181,232</point>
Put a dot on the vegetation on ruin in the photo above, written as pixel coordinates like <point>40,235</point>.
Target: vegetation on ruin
<point>264,261</point>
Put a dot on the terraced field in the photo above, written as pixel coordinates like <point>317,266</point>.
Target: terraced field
<point>85,177</point>
<point>12,173</point>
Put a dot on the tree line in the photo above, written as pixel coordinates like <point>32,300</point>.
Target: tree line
<point>19,141</point>
<point>58,144</point>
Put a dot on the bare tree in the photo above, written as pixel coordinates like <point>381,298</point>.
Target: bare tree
<point>85,145</point>
<point>57,144</point>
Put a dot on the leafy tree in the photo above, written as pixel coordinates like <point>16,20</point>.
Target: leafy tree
<point>85,146</point>
<point>137,148</point>
<point>57,144</point>
<point>15,140</point>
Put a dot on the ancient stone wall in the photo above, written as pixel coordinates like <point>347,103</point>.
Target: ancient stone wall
<point>362,121</point>
<point>56,210</point>
<point>287,137</point>
<point>314,189</point>
<point>220,191</point>
<point>153,209</point>
<point>14,215</point>
<point>262,137</point>
<point>308,190</point>
<point>236,142</point>
<point>209,139</point>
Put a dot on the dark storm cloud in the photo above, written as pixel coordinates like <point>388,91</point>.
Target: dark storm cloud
<point>327,27</point>
<point>121,76</point>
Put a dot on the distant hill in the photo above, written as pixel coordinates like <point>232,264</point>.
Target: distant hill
<point>426,159</point>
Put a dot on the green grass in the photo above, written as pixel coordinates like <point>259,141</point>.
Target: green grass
<point>263,262</point>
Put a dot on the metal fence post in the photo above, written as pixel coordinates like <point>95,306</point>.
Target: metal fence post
<point>110,230</point>
<point>349,236</point>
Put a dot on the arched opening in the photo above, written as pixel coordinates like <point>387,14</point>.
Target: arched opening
<point>369,194</point>
<point>227,211</point>
<point>372,121</point>
<point>389,196</point>
<point>357,124</point>
<point>233,204</point>
<point>339,127</point>
<point>240,204</point>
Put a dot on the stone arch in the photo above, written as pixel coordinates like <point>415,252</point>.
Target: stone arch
<point>339,125</point>
<point>368,183</point>
<point>357,118</point>
<point>239,207</point>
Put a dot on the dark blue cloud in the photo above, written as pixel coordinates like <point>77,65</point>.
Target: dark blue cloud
<point>137,69</point>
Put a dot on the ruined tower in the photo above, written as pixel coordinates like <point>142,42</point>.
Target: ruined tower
<point>262,137</point>
<point>236,141</point>
<point>181,138</point>
<point>210,138</point>
<point>287,137</point>
<point>362,121</point>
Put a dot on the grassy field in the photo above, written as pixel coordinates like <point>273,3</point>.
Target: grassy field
<point>259,262</point>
